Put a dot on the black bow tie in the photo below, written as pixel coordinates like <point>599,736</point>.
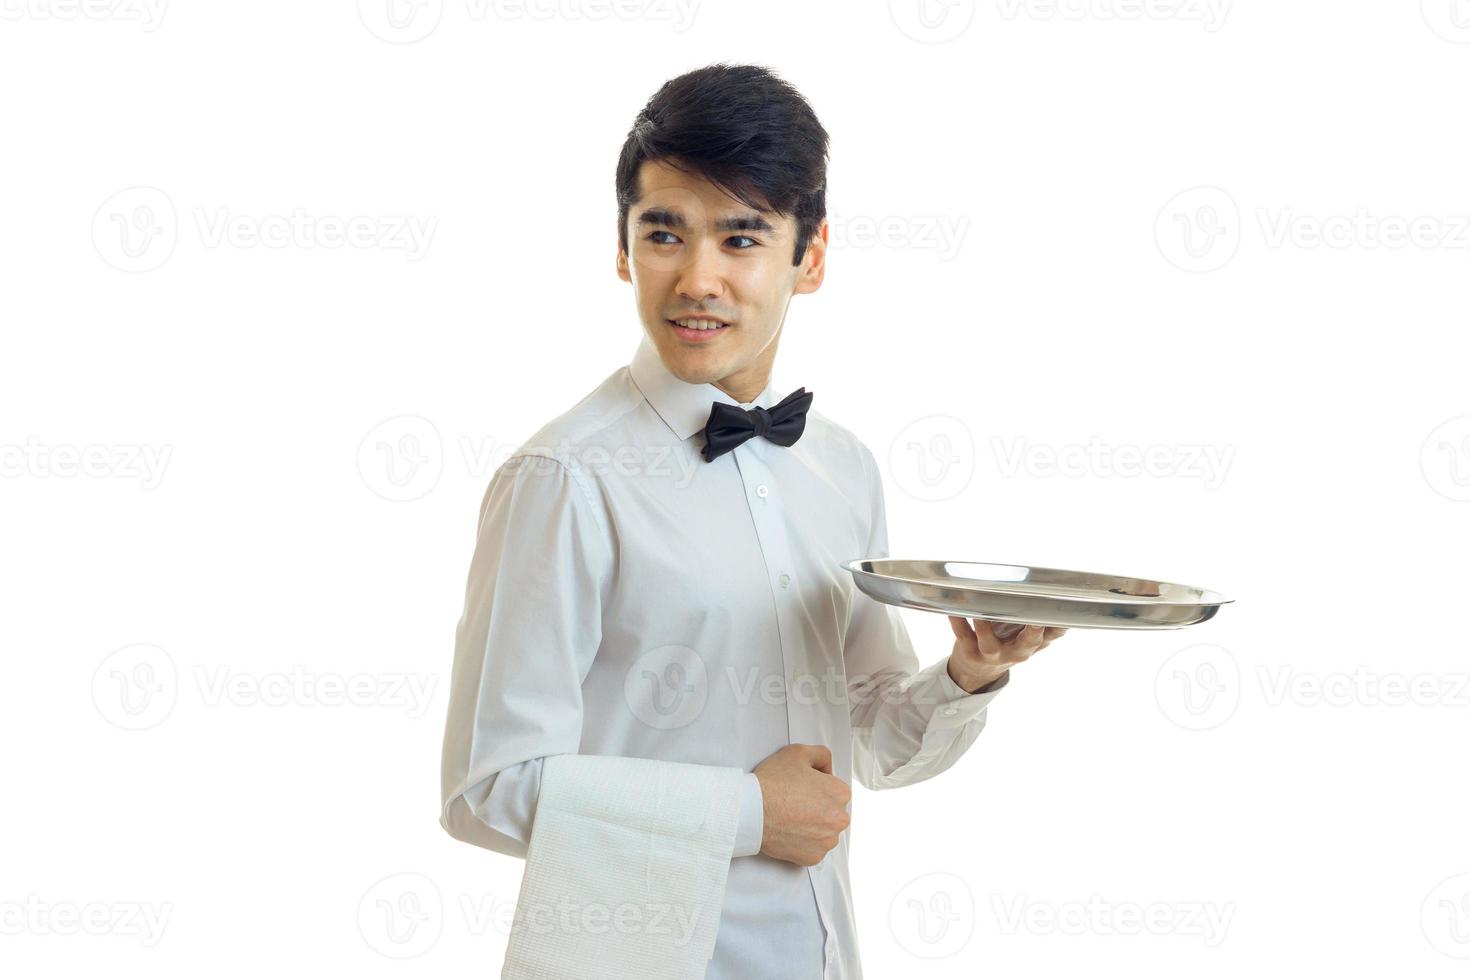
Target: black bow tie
<point>730,425</point>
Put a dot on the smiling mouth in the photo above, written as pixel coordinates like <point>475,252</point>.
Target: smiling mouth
<point>700,332</point>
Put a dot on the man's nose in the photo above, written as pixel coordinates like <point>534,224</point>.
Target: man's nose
<point>704,275</point>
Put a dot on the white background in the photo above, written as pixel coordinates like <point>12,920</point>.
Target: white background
<point>1212,231</point>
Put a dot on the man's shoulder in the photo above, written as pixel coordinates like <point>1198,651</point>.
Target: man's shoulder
<point>593,420</point>
<point>840,445</point>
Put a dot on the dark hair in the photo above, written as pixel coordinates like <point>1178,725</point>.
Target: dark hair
<point>744,130</point>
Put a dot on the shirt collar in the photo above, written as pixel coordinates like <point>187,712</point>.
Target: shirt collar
<point>684,407</point>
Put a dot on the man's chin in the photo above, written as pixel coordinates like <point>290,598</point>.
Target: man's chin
<point>695,367</point>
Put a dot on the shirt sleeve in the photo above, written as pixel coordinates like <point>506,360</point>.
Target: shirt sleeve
<point>509,807</point>
<point>539,580</point>
<point>907,724</point>
<point>751,828</point>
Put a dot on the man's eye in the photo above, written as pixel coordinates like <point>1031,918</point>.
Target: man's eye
<point>653,236</point>
<point>745,238</point>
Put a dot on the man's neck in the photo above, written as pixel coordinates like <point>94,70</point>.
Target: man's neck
<point>742,390</point>
<point>747,383</point>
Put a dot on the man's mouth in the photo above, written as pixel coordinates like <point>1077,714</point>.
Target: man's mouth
<point>697,328</point>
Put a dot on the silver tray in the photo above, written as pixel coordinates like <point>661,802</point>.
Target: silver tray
<point>1039,596</point>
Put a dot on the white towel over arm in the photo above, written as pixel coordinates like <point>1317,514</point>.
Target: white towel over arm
<point>626,871</point>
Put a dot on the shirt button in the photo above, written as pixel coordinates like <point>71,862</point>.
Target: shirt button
<point>785,580</point>
<point>949,711</point>
<point>761,490</point>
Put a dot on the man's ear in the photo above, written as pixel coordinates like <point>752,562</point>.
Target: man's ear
<point>624,273</point>
<point>814,262</point>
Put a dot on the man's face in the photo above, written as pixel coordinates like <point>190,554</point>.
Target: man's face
<point>697,252</point>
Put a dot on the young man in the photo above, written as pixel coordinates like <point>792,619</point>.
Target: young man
<point>657,573</point>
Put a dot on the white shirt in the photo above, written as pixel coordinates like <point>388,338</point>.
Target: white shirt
<point>628,598</point>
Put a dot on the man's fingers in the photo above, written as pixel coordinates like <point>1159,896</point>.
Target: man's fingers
<point>986,639</point>
<point>1024,644</point>
<point>1004,631</point>
<point>821,757</point>
<point>1004,642</point>
<point>1051,633</point>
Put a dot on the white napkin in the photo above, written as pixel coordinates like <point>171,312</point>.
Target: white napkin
<point>625,871</point>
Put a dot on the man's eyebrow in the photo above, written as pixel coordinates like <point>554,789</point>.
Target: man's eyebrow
<point>674,218</point>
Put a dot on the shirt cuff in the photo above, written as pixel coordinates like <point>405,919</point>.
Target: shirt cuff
<point>955,706</point>
<point>752,825</point>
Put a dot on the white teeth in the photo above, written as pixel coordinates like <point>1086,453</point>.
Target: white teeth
<point>699,324</point>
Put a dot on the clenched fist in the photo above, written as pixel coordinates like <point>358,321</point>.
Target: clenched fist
<point>805,805</point>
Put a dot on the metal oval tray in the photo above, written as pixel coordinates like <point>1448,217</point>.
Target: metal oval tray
<point>1041,596</point>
